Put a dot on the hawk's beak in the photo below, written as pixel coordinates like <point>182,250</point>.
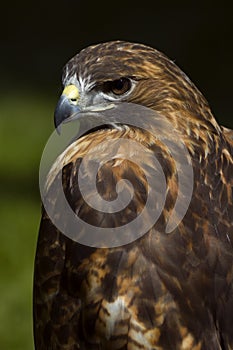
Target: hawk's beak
<point>66,106</point>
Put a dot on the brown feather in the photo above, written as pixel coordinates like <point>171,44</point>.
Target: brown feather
<point>163,291</point>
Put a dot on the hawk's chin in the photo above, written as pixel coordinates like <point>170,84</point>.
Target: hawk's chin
<point>100,128</point>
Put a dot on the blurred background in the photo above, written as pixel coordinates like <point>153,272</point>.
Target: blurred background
<point>37,38</point>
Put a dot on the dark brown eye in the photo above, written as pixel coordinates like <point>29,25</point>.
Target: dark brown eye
<point>118,87</point>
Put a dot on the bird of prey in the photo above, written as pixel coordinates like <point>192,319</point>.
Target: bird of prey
<point>165,289</point>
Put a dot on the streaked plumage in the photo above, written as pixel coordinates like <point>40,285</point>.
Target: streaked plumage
<point>163,291</point>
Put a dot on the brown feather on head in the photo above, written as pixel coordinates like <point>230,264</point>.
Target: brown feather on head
<point>160,84</point>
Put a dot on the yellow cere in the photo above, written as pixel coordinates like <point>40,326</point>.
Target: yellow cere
<point>71,91</point>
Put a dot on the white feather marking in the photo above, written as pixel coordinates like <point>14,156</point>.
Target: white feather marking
<point>116,312</point>
<point>65,75</point>
<point>85,81</point>
<point>83,84</point>
<point>71,81</point>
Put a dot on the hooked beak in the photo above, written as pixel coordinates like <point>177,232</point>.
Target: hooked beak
<point>67,106</point>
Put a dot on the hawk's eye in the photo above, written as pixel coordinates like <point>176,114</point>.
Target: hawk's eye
<point>118,87</point>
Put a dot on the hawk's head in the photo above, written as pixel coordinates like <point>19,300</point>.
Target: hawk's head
<point>111,72</point>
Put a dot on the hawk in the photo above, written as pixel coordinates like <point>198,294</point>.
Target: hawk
<point>163,289</point>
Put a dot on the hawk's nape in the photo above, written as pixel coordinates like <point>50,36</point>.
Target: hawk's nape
<point>162,290</point>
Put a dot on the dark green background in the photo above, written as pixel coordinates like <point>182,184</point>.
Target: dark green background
<point>36,41</point>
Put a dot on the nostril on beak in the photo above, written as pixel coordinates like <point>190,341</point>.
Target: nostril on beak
<point>74,101</point>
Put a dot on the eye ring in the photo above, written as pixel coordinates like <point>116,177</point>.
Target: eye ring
<point>118,87</point>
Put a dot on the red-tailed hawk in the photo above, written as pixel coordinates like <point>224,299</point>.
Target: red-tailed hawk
<point>164,287</point>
